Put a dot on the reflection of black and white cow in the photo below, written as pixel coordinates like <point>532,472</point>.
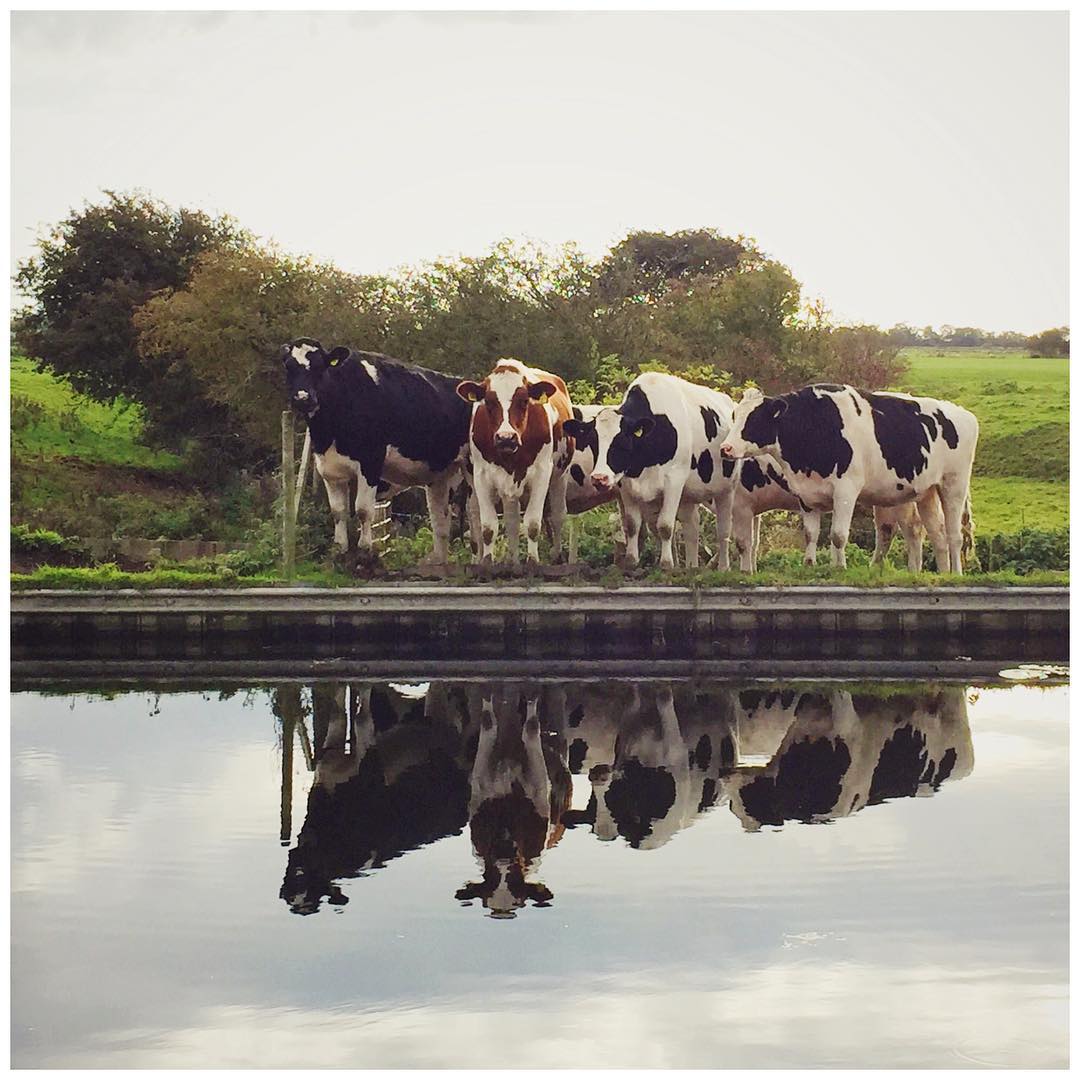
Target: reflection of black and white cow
<point>518,791</point>
<point>379,423</point>
<point>661,449</point>
<point>840,752</point>
<point>838,446</point>
<point>389,777</point>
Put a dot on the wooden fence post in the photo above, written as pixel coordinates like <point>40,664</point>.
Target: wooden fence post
<point>301,473</point>
<point>288,500</point>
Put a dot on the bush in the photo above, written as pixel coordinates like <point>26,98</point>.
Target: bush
<point>45,544</point>
<point>1025,552</point>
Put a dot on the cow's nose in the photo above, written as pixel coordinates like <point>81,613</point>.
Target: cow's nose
<point>726,450</point>
<point>601,480</point>
<point>506,442</point>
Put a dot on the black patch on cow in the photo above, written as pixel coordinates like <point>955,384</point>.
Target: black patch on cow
<point>948,430</point>
<point>577,474</point>
<point>817,703</point>
<point>577,714</point>
<point>415,410</point>
<point>807,783</point>
<point>902,431</point>
<point>693,462</point>
<point>705,466</point>
<point>708,795</point>
<point>703,752</point>
<point>751,476</point>
<point>787,699</point>
<point>901,765</point>
<point>750,699</point>
<point>855,402</point>
<point>632,455</point>
<point>948,760</point>
<point>899,487</point>
<point>575,756</point>
<point>712,422</point>
<point>727,751</point>
<point>637,797</point>
<point>777,477</point>
<point>808,428</point>
<point>727,467</point>
<point>829,387</point>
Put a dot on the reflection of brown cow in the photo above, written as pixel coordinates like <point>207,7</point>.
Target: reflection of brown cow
<point>519,453</point>
<point>519,791</point>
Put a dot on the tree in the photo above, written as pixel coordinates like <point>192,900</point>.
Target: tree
<point>91,273</point>
<point>1050,342</point>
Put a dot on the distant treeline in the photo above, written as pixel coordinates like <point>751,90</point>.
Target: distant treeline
<point>1053,342</point>
<point>183,312</point>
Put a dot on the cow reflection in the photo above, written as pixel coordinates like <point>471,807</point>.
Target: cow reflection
<point>837,753</point>
<point>518,792</point>
<point>388,777</point>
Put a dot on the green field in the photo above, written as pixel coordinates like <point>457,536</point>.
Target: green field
<point>50,420</point>
<point>1022,463</point>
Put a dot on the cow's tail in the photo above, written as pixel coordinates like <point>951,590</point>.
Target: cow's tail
<point>967,529</point>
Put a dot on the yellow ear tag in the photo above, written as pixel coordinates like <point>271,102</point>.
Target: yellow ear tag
<point>542,400</point>
<point>638,432</point>
<point>333,361</point>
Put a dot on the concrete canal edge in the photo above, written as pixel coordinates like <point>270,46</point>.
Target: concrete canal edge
<point>512,622</point>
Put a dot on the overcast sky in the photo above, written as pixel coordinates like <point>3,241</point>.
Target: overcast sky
<point>907,167</point>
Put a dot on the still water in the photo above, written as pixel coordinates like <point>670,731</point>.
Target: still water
<point>524,875</point>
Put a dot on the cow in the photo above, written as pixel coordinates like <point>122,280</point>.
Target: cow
<point>389,776</point>
<point>831,755</point>
<point>519,790</point>
<point>914,521</point>
<point>581,493</point>
<point>386,424</point>
<point>838,446</point>
<point>660,450</point>
<point>519,453</point>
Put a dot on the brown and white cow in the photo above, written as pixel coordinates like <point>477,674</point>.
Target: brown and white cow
<point>519,453</point>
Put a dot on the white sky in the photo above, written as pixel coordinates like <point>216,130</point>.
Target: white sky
<point>907,167</point>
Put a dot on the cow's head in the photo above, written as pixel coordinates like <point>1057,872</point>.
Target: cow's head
<point>504,889</point>
<point>306,362</point>
<point>755,428</point>
<point>505,397</point>
<point>616,441</point>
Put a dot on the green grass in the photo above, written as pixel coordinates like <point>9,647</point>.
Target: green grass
<point>1022,463</point>
<point>50,420</point>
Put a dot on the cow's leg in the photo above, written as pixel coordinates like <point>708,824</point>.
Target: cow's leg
<point>954,491</point>
<point>365,512</point>
<point>743,521</point>
<point>534,511</point>
<point>631,523</point>
<point>536,773</point>
<point>690,520</point>
<point>556,501</point>
<point>883,533</point>
<point>472,508</point>
<point>843,508</point>
<point>438,503</point>
<point>722,508</point>
<point>811,524</point>
<point>489,522</point>
<point>512,518</point>
<point>757,544</point>
<point>934,522</point>
<point>914,533</point>
<point>665,521</point>
<point>337,493</point>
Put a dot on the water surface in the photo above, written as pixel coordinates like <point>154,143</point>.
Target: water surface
<point>524,874</point>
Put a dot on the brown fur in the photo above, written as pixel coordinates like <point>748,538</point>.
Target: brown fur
<point>527,417</point>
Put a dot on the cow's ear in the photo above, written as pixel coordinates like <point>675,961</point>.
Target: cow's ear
<point>470,391</point>
<point>335,356</point>
<point>541,391</point>
<point>777,407</point>
<point>470,890</point>
<point>578,414</point>
<point>642,427</point>
<point>574,428</point>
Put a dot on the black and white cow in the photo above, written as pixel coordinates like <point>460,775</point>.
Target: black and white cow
<point>383,423</point>
<point>838,446</point>
<point>831,755</point>
<point>661,450</point>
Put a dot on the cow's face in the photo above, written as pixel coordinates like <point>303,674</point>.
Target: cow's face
<point>505,396</point>
<point>504,889</point>
<point>755,428</point>
<point>306,363</point>
<point>615,441</point>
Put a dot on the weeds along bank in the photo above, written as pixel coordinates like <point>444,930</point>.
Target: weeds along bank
<point>79,470</point>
